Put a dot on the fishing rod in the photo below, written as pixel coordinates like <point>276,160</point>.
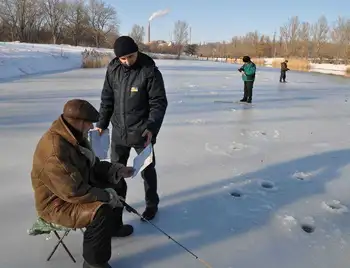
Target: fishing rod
<point>131,209</point>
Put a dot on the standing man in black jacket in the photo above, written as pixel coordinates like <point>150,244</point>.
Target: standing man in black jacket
<point>134,100</point>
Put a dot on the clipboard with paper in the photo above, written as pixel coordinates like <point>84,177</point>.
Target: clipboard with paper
<point>142,160</point>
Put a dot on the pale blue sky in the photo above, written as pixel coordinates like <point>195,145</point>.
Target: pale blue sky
<point>221,19</point>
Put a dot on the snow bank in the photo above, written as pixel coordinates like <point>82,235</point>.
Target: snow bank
<point>327,68</point>
<point>20,59</point>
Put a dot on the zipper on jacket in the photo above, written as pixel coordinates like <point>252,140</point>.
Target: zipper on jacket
<point>122,103</point>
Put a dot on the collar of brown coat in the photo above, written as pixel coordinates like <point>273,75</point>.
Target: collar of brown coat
<point>59,127</point>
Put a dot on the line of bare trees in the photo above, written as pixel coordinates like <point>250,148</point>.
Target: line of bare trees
<point>95,23</point>
<point>320,41</point>
<point>77,22</point>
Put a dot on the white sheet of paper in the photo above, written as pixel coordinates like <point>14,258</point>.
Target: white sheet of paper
<point>142,160</point>
<point>100,144</point>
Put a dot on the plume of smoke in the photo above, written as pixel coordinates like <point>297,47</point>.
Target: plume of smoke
<point>158,13</point>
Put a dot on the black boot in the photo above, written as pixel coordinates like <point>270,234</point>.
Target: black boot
<point>123,231</point>
<point>243,100</point>
<point>249,100</point>
<point>149,213</point>
<point>104,265</point>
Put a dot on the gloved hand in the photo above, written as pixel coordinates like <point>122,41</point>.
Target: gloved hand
<point>125,172</point>
<point>113,171</point>
<point>118,171</point>
<point>114,200</point>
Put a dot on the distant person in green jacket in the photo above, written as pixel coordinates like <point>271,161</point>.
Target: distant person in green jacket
<point>248,76</point>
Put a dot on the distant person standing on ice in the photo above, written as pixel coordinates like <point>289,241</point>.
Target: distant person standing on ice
<point>284,69</point>
<point>248,71</point>
<point>134,100</point>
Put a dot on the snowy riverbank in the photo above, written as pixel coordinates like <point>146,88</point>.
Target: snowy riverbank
<point>22,59</point>
<point>325,68</point>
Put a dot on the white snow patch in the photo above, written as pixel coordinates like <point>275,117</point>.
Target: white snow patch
<point>198,121</point>
<point>300,175</point>
<point>237,146</point>
<point>335,206</point>
<point>288,222</point>
<point>260,134</point>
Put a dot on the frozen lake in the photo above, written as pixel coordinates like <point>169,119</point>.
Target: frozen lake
<point>294,140</point>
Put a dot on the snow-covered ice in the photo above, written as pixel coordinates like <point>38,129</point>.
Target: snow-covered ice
<point>229,174</point>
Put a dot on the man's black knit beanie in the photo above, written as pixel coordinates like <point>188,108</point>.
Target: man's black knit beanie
<point>124,45</point>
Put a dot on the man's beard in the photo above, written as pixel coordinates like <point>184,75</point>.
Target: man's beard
<point>85,134</point>
<point>126,65</point>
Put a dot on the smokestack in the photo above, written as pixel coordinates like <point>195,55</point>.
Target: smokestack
<point>154,15</point>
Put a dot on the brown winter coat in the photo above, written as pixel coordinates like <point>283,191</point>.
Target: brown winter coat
<point>284,67</point>
<point>62,177</point>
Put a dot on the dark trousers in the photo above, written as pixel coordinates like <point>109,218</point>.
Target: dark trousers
<point>283,76</point>
<point>248,90</point>
<point>98,234</point>
<point>121,155</point>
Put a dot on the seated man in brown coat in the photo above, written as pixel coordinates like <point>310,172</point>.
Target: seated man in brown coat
<point>73,188</point>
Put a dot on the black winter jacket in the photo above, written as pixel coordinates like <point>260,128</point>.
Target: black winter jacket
<point>133,99</point>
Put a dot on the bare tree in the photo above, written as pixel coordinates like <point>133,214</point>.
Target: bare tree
<point>19,14</point>
<point>266,46</point>
<point>289,34</point>
<point>284,39</point>
<point>304,38</point>
<point>103,19</point>
<point>274,48</point>
<point>77,20</point>
<point>347,46</point>
<point>180,35</point>
<point>294,25</point>
<point>320,32</point>
<point>340,36</point>
<point>254,39</point>
<point>221,48</point>
<point>2,27</point>
<point>9,14</point>
<point>111,36</point>
<point>138,33</point>
<point>55,15</point>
